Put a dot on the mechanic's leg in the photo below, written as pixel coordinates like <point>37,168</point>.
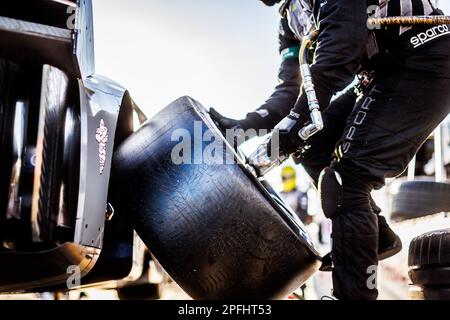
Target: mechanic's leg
<point>385,130</point>
<point>320,155</point>
<point>323,144</point>
<point>345,200</point>
<point>389,244</point>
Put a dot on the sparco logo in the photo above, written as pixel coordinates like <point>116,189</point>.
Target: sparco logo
<point>101,135</point>
<point>430,34</point>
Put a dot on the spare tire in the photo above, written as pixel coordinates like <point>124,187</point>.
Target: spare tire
<point>420,293</point>
<point>416,199</point>
<point>429,259</point>
<point>429,263</point>
<point>211,224</point>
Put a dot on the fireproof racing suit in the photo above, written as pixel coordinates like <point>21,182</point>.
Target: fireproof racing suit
<point>379,134</point>
<point>406,99</point>
<point>284,97</point>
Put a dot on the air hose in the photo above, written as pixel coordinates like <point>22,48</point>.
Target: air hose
<point>316,124</point>
<point>409,21</point>
<point>260,162</point>
<point>313,103</point>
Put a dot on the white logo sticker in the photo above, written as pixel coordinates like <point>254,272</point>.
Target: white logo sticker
<point>101,135</point>
<point>429,35</point>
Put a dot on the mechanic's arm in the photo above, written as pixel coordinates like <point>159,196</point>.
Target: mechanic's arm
<point>282,99</point>
<point>286,92</point>
<point>341,46</point>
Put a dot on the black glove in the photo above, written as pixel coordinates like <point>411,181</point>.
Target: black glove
<point>238,134</point>
<point>289,140</point>
<point>224,123</point>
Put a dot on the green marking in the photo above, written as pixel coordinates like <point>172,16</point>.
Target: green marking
<point>292,52</point>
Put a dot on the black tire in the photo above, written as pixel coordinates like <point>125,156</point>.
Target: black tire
<point>52,162</point>
<point>9,86</point>
<point>3,92</point>
<point>70,173</point>
<point>146,291</point>
<point>430,276</point>
<point>3,109</point>
<point>419,293</point>
<point>420,198</point>
<point>429,259</point>
<point>431,249</point>
<point>214,228</point>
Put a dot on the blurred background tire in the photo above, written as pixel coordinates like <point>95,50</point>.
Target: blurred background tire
<point>420,293</point>
<point>9,88</point>
<point>429,263</point>
<point>416,199</point>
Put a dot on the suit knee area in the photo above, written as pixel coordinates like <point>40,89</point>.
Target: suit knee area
<point>331,192</point>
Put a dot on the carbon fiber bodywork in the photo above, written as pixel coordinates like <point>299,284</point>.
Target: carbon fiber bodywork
<point>57,37</point>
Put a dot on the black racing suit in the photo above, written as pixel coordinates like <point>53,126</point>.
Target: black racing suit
<point>298,201</point>
<point>407,98</point>
<point>378,136</point>
<point>285,97</point>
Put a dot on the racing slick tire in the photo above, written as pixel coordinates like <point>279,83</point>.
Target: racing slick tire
<point>52,167</point>
<point>417,199</point>
<point>429,263</point>
<point>216,229</point>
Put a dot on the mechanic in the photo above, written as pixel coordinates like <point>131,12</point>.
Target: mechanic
<point>294,197</point>
<point>403,97</point>
<point>279,105</point>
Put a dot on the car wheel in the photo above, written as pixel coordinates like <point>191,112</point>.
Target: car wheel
<point>210,223</point>
<point>429,263</point>
<point>421,293</point>
<point>55,101</point>
<point>9,87</point>
<point>420,198</point>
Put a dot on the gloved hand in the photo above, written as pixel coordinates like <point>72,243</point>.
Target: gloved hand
<point>235,131</point>
<point>224,123</point>
<point>285,138</point>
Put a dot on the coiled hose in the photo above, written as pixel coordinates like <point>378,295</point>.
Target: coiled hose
<point>409,21</point>
<point>260,162</point>
<point>316,124</point>
<point>313,103</point>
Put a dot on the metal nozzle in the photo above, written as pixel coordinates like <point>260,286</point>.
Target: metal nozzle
<point>313,103</point>
<point>261,162</point>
